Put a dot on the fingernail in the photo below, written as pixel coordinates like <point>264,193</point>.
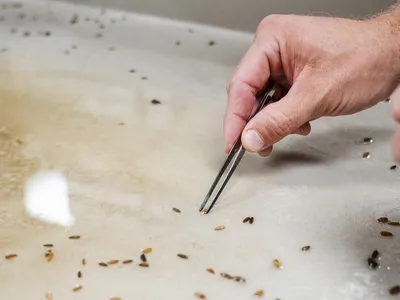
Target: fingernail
<point>253,140</point>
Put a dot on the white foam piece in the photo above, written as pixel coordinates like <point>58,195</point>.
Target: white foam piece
<point>46,198</point>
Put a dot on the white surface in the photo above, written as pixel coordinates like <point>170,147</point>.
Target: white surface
<point>46,198</point>
<point>63,112</point>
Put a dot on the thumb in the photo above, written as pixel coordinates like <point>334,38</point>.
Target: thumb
<point>278,120</point>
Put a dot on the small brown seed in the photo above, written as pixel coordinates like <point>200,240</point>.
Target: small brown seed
<point>383,220</point>
<point>259,293</point>
<point>79,274</point>
<point>366,155</point>
<point>49,296</point>
<point>121,123</point>
<point>200,295</point>
<point>211,271</point>
<point>128,261</point>
<point>277,264</point>
<point>49,255</point>
<point>251,221</point>
<point>394,290</point>
<point>245,220</point>
<point>113,262</point>
<point>220,227</point>
<point>368,140</point>
<point>183,256</point>
<point>386,233</point>
<point>226,275</point>
<point>306,248</point>
<point>392,168</point>
<point>394,223</point>
<point>115,298</point>
<point>11,256</point>
<point>83,261</point>
<point>74,237</point>
<point>177,210</point>
<point>48,245</point>
<point>143,258</point>
<point>155,101</point>
<point>239,279</point>
<point>147,250</point>
<point>144,264</point>
<point>77,288</point>
<point>103,264</point>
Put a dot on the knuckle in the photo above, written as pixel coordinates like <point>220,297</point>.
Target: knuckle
<point>280,125</point>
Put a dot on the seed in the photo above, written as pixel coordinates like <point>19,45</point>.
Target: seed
<point>239,279</point>
<point>203,212</point>
<point>49,255</point>
<point>305,248</point>
<point>245,220</point>
<point>77,288</point>
<point>375,254</point>
<point>11,256</point>
<point>27,33</point>
<point>259,293</point>
<point>111,49</point>
<point>83,261</point>
<point>394,290</point>
<point>143,258</point>
<point>226,275</point>
<point>49,296</point>
<point>392,168</point>
<point>128,261</point>
<point>132,71</point>
<point>368,140</point>
<point>383,220</point>
<point>144,78</point>
<point>394,223</point>
<point>220,227</point>
<point>74,237</point>
<point>177,210</point>
<point>121,123</point>
<point>386,233</point>
<point>144,264</point>
<point>48,245</point>
<point>103,264</point>
<point>211,43</point>
<point>251,221</point>
<point>200,295</point>
<point>277,264</point>
<point>183,256</point>
<point>155,101</point>
<point>211,271</point>
<point>147,250</point>
<point>115,298</point>
<point>387,100</point>
<point>113,262</point>
<point>372,264</point>
<point>79,274</point>
<point>74,19</point>
<point>177,43</point>
<point>366,155</point>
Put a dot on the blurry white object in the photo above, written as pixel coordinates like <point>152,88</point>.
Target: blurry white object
<point>46,198</point>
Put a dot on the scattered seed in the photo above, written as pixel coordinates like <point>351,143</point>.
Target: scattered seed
<point>394,290</point>
<point>239,279</point>
<point>245,220</point>
<point>277,264</point>
<point>144,264</point>
<point>211,43</point>
<point>47,33</point>
<point>147,250</point>
<point>115,298</point>
<point>200,295</point>
<point>79,274</point>
<point>74,237</point>
<point>48,245</point>
<point>305,248</point>
<point>375,254</point>
<point>113,262</point>
<point>128,261</point>
<point>49,296</point>
<point>111,49</point>
<point>103,264</point>
<point>98,35</point>
<point>83,261</point>
<point>386,233</point>
<point>392,168</point>
<point>27,33</point>
<point>183,256</point>
<point>210,270</point>
<point>121,123</point>
<point>372,264</point>
<point>143,258</point>
<point>155,101</point>
<point>251,221</point>
<point>220,227</point>
<point>394,223</point>
<point>49,255</point>
<point>74,19</point>
<point>77,288</point>
<point>226,275</point>
<point>259,293</point>
<point>383,220</point>
<point>177,210</point>
<point>132,71</point>
<point>203,212</point>
<point>144,78</point>
<point>366,155</point>
<point>178,43</point>
<point>11,256</point>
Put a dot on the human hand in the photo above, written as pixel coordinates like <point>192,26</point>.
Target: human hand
<point>327,66</point>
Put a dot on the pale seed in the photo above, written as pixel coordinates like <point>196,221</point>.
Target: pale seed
<point>200,295</point>
<point>77,288</point>
<point>113,262</point>
<point>128,261</point>
<point>220,227</point>
<point>49,296</point>
<point>203,212</point>
<point>49,255</point>
<point>259,293</point>
<point>11,256</point>
<point>115,298</point>
<point>144,264</point>
<point>209,270</point>
<point>147,250</point>
<point>83,261</point>
<point>277,264</point>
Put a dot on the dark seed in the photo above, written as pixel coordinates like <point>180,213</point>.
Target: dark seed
<point>383,220</point>
<point>47,33</point>
<point>375,254</point>
<point>177,43</point>
<point>305,248</point>
<point>74,237</point>
<point>387,100</point>
<point>211,43</point>
<point>372,264</point>
<point>155,101</point>
<point>74,19</point>
<point>368,140</point>
<point>209,270</point>
<point>143,258</point>
<point>79,274</point>
<point>48,245</point>
<point>386,233</point>
<point>144,78</point>
<point>251,221</point>
<point>245,220</point>
<point>11,256</point>
<point>132,71</point>
<point>177,210</point>
<point>227,276</point>
<point>144,264</point>
<point>103,264</point>
<point>394,223</point>
<point>200,295</point>
<point>184,256</point>
<point>77,288</point>
<point>392,168</point>
<point>394,290</point>
<point>27,33</point>
<point>239,279</point>
<point>128,261</point>
<point>366,155</point>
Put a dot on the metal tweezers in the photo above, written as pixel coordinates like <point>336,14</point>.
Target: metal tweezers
<point>236,153</point>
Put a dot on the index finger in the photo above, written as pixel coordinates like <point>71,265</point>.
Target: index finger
<point>250,76</point>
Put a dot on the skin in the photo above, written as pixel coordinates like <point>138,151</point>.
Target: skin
<point>324,67</point>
